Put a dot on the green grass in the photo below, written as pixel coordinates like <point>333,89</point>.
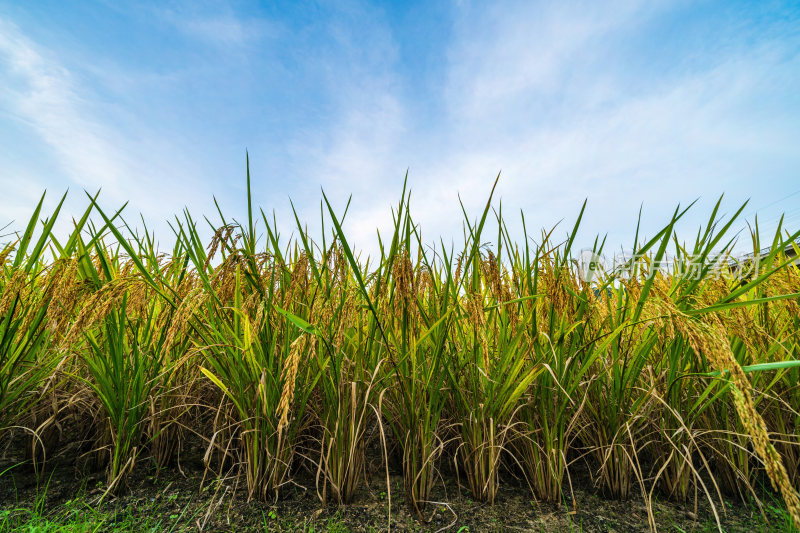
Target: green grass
<point>79,516</point>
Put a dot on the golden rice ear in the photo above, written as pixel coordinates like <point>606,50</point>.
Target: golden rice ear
<point>65,291</point>
<point>405,289</point>
<point>289,377</point>
<point>710,339</point>
<point>180,322</point>
<point>13,289</point>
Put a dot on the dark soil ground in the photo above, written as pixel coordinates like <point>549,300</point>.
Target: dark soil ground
<point>182,499</point>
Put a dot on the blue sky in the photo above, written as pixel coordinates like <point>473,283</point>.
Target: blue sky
<point>625,103</point>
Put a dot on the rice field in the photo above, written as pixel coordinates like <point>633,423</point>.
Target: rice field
<point>497,357</point>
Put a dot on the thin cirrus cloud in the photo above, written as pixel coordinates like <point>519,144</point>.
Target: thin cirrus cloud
<point>40,95</point>
<point>88,151</point>
<point>631,103</point>
<point>550,96</point>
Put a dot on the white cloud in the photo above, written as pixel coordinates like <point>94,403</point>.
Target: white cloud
<point>521,96</point>
<point>132,165</point>
<point>42,94</point>
<point>526,50</point>
<point>219,27</point>
<point>544,93</point>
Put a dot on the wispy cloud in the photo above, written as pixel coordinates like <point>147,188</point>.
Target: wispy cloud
<point>530,53</point>
<point>624,103</point>
<point>90,151</point>
<point>361,147</point>
<point>42,94</point>
<point>218,26</point>
<point>545,95</point>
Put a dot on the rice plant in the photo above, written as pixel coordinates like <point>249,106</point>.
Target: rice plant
<point>285,357</point>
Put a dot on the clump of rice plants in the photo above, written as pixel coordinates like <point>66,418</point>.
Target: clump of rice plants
<point>301,357</point>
